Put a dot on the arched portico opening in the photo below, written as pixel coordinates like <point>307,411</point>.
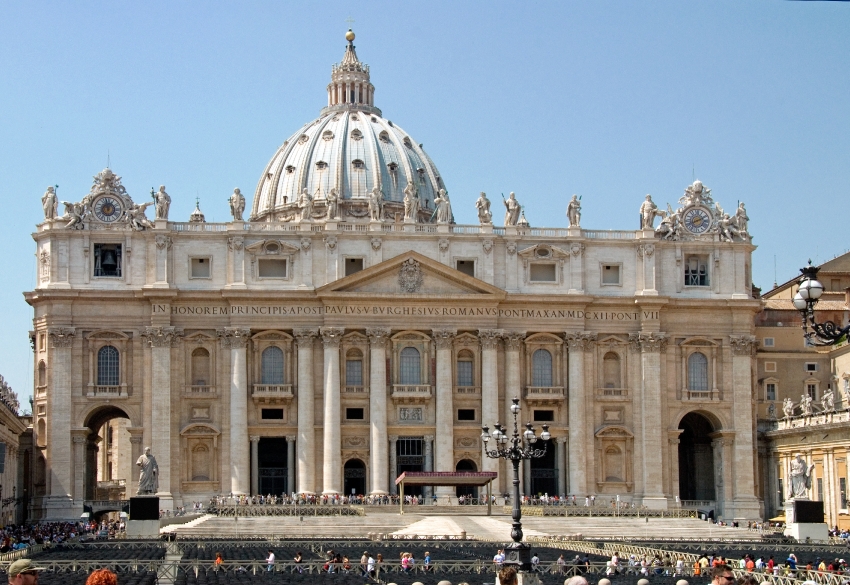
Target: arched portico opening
<point>355,477</point>
<point>109,461</point>
<point>466,490</point>
<point>696,458</point>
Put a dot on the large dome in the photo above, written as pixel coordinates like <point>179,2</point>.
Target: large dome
<point>350,148</point>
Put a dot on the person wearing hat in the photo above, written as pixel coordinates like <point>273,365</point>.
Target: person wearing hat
<point>23,572</point>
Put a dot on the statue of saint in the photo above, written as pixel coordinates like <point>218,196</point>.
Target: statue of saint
<point>333,205</point>
<point>237,204</point>
<point>148,473</point>
<point>162,201</point>
<point>136,217</point>
<point>411,202</point>
<point>801,477</point>
<point>49,203</point>
<point>741,219</point>
<point>846,390</point>
<point>376,200</point>
<point>806,405</point>
<point>443,206</point>
<point>74,213</point>
<point>574,211</point>
<point>305,204</point>
<point>788,408</point>
<point>512,209</point>
<point>648,211</point>
<point>827,401</point>
<point>485,216</point>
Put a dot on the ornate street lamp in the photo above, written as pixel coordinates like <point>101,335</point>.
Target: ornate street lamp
<point>515,448</point>
<point>827,333</point>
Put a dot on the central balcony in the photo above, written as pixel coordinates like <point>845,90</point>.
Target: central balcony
<point>200,391</point>
<point>100,391</point>
<point>411,393</point>
<point>272,393</point>
<point>544,394</point>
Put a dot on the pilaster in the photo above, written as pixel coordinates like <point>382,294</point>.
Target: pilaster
<point>489,385</point>
<point>59,456</point>
<point>578,343</point>
<point>237,340</point>
<point>306,442</point>
<point>513,389</point>
<point>746,502</point>
<point>378,456</point>
<point>444,443</point>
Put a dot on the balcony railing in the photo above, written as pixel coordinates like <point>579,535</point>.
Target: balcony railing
<point>272,393</point>
<point>701,395</point>
<point>544,394</point>
<point>411,392</point>
<point>355,390</point>
<point>100,391</point>
<point>468,390</point>
<point>612,392</point>
<point>200,391</point>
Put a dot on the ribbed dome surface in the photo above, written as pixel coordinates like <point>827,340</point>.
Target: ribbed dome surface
<point>351,151</point>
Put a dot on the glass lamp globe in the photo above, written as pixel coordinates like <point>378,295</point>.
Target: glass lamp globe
<point>515,408</point>
<point>545,435</point>
<point>811,289</point>
<point>799,302</point>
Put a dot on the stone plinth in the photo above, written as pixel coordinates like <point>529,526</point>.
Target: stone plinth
<point>143,528</point>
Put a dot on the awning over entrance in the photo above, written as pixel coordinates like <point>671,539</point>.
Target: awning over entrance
<point>447,478</point>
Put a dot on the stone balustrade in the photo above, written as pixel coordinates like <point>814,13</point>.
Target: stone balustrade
<point>544,394</point>
<point>412,393</point>
<point>272,393</point>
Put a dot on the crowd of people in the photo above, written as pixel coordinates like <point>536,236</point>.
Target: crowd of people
<point>15,537</point>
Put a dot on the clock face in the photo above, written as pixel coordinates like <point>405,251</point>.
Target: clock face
<point>107,209</point>
<point>697,220</point>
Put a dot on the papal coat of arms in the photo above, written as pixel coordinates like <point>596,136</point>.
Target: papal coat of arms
<point>410,276</point>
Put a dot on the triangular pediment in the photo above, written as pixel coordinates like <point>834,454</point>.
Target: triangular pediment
<point>410,275</point>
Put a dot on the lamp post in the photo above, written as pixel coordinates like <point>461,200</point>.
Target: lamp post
<point>810,290</point>
<point>515,448</point>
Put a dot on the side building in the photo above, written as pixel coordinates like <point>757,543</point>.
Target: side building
<point>349,330</point>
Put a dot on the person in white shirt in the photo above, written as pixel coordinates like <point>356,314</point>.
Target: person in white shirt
<point>370,566</point>
<point>270,561</point>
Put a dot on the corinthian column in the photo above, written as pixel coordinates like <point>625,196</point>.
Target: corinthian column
<point>378,447</point>
<point>59,424</point>
<point>332,460</point>
<point>444,444</point>
<point>743,352</point>
<point>513,389</point>
<point>306,442</point>
<point>237,341</point>
<point>489,385</point>
<point>161,340</point>
<point>578,343</point>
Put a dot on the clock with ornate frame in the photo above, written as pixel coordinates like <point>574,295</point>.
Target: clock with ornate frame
<point>108,208</point>
<point>697,220</point>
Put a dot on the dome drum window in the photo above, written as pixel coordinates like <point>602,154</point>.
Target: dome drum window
<point>327,135</point>
<point>356,134</point>
<point>358,164</point>
<point>321,165</point>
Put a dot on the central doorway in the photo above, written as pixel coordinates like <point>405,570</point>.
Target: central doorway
<point>410,456</point>
<point>355,477</point>
<point>544,474</point>
<point>696,458</point>
<point>272,466</point>
<point>469,491</point>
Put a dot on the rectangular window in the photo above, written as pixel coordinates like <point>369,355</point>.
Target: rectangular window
<point>770,391</point>
<point>107,260</point>
<point>769,366</point>
<point>466,414</point>
<point>696,271</point>
<point>539,272</point>
<point>544,415</point>
<point>768,342</point>
<point>467,267</point>
<point>272,414</point>
<point>842,487</point>
<point>353,372</point>
<point>811,367</point>
<point>200,267</point>
<point>464,373</point>
<point>272,268</point>
<point>812,390</point>
<point>353,265</point>
<point>354,414</point>
<point>611,274</point>
<point>820,489</point>
<point>835,285</point>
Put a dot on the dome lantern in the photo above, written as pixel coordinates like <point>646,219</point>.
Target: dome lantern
<point>350,87</point>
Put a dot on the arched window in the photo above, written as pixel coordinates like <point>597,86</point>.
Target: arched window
<point>200,367</point>
<point>107,366</point>
<point>465,363</point>
<point>611,370</point>
<point>541,368</point>
<point>698,372</point>
<point>42,374</point>
<point>272,365</point>
<point>409,370</point>
<point>354,368</point>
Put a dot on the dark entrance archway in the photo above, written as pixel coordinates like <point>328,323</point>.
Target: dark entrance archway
<point>696,458</point>
<point>272,466</point>
<point>544,474</point>
<point>103,479</point>
<point>466,490</point>
<point>355,477</point>
<point>410,456</point>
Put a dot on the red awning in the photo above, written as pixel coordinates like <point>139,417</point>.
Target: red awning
<point>432,478</point>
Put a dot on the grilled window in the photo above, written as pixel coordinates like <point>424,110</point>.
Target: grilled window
<point>272,365</point>
<point>107,366</point>
<point>541,368</point>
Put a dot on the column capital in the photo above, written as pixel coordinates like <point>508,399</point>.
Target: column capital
<point>331,336</point>
<point>561,440</point>
<point>234,337</point>
<point>290,438</point>
<point>513,339</point>
<point>378,335</point>
<point>78,439</point>
<point>254,438</point>
<point>305,336</point>
<point>428,437</point>
<point>489,338</point>
<point>61,336</point>
<point>580,340</point>
<point>745,345</point>
<point>392,438</point>
<point>135,439</point>
<point>162,336</point>
<point>645,250</point>
<point>648,342</point>
<point>444,337</point>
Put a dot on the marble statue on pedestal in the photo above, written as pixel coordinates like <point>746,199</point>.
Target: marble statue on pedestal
<point>237,204</point>
<point>742,221</point>
<point>648,213</point>
<point>148,473</point>
<point>443,211</point>
<point>49,203</point>
<point>482,204</point>
<point>74,214</point>
<point>806,407</point>
<point>827,401</point>
<point>162,201</point>
<point>411,202</point>
<point>333,205</point>
<point>574,211</point>
<point>801,477</point>
<point>512,209</point>
<point>135,216</point>
<point>788,407</point>
<point>305,204</point>
<point>376,203</point>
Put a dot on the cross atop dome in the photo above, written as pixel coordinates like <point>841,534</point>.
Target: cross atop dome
<point>350,87</point>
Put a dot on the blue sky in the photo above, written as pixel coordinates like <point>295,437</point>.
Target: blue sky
<point>609,100</point>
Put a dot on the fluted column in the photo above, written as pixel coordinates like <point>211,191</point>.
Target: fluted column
<point>489,385</point>
<point>560,450</point>
<point>378,456</point>
<point>161,340</point>
<point>236,339</point>
<point>513,389</point>
<point>255,465</point>
<point>444,443</point>
<point>393,463</point>
<point>744,491</point>
<point>332,444</point>
<point>290,464</point>
<point>306,443</point>
<point>578,343</point>
<point>59,423</point>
